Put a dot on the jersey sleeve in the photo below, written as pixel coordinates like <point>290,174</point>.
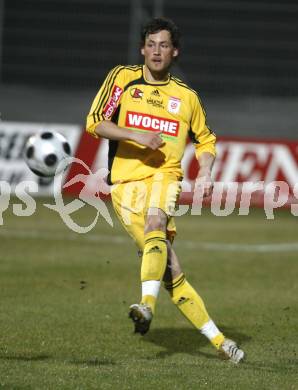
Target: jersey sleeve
<point>202,137</point>
<point>107,99</point>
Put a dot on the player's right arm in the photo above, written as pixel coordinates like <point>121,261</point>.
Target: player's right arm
<point>109,130</point>
<point>104,106</point>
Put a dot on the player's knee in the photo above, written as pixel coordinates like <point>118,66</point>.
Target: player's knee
<point>156,222</point>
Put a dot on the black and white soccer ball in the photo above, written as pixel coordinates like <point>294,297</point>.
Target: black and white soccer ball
<point>44,151</point>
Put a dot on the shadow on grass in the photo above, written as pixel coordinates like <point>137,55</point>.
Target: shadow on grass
<point>25,357</point>
<point>95,362</point>
<point>183,340</point>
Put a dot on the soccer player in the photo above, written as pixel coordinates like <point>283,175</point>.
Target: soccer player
<point>147,114</point>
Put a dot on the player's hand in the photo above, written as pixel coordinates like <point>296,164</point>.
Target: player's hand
<point>150,140</point>
<point>204,183</point>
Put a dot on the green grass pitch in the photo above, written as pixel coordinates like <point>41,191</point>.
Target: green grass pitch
<point>65,297</point>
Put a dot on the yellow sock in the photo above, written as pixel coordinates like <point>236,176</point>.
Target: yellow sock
<point>154,263</point>
<point>193,308</point>
<point>149,300</point>
<point>188,301</point>
<point>218,340</point>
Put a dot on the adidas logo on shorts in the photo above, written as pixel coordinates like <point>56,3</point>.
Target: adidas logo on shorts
<point>154,249</point>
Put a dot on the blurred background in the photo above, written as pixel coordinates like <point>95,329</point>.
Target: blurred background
<point>241,56</point>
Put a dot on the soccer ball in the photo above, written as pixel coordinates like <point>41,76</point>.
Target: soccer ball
<point>44,151</point>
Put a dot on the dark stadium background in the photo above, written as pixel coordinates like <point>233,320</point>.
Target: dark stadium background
<point>240,55</point>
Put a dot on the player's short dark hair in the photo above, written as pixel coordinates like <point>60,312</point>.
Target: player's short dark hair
<point>157,24</point>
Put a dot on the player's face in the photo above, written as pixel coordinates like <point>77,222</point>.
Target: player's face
<point>159,52</point>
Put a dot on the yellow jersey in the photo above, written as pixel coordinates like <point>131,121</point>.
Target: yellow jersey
<point>170,106</point>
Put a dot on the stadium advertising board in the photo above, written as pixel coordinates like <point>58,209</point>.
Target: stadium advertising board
<point>244,168</point>
<point>249,166</point>
<point>254,164</point>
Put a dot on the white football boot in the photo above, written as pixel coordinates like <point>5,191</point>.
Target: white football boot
<point>141,315</point>
<point>230,351</point>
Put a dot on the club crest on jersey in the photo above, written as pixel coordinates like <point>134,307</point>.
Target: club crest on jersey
<point>112,104</point>
<point>136,93</point>
<point>174,105</point>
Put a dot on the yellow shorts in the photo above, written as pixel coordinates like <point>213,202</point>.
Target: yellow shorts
<point>131,202</point>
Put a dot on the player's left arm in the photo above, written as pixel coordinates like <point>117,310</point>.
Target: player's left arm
<point>204,141</point>
<point>204,179</point>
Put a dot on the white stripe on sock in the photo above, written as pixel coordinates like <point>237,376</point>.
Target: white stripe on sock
<point>151,287</point>
<point>210,330</point>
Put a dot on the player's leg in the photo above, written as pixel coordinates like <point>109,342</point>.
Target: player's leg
<point>163,191</point>
<point>191,305</point>
<point>154,258</point>
<point>128,202</point>
<point>153,267</point>
<point>188,300</point>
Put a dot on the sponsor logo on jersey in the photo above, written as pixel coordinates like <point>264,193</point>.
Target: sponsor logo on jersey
<point>137,120</point>
<point>112,104</point>
<point>174,105</point>
<point>155,102</point>
<point>155,92</point>
<point>136,93</point>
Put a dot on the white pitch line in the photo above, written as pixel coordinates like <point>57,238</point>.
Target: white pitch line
<point>229,247</point>
<point>120,240</point>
